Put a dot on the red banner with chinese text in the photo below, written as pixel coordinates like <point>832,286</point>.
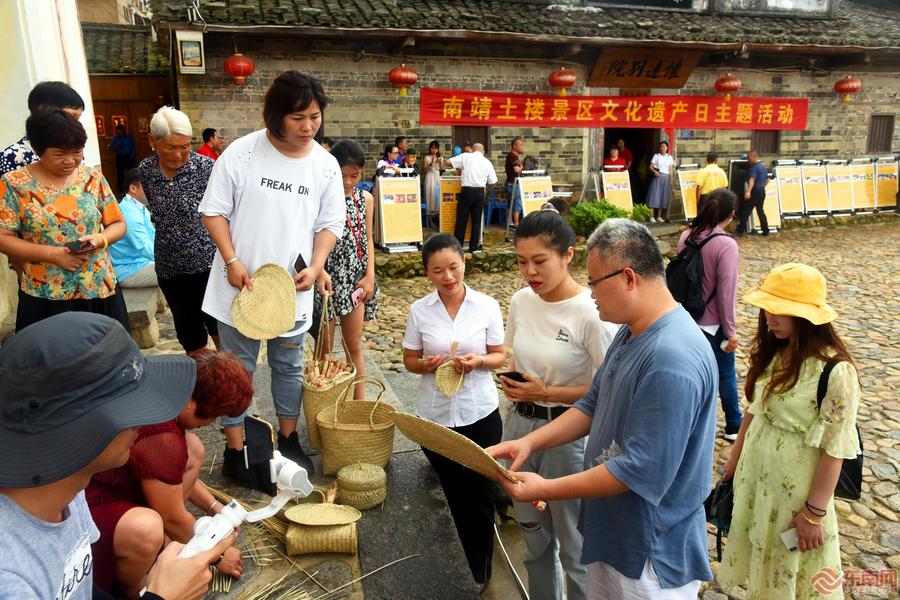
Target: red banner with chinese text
<point>467,107</point>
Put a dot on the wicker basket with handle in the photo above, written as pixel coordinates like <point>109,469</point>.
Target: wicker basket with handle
<point>313,539</point>
<point>354,431</point>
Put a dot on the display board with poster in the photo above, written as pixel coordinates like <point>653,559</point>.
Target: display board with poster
<point>790,191</point>
<point>886,184</point>
<point>863,186</point>
<point>450,189</point>
<point>687,183</point>
<point>815,188</point>
<point>840,188</point>
<point>399,210</point>
<point>535,192</point>
<point>770,207</point>
<point>617,189</point>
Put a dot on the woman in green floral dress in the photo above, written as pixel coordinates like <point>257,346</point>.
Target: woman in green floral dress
<point>785,476</point>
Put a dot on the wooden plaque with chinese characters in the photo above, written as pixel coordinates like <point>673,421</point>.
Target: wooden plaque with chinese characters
<point>641,68</point>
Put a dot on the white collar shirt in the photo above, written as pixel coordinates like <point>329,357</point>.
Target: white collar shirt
<point>477,325</point>
<point>477,171</point>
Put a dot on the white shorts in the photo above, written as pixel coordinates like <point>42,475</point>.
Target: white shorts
<point>606,583</point>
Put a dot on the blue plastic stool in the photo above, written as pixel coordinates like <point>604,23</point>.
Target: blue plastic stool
<point>492,204</point>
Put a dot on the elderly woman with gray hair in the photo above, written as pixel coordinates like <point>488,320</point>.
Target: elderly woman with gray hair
<point>174,179</point>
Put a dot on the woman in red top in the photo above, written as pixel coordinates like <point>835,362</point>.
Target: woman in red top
<point>610,164</point>
<point>141,503</point>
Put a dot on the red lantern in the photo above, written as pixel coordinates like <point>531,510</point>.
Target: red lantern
<point>403,77</point>
<point>239,66</point>
<point>562,78</point>
<point>728,85</point>
<point>846,86</point>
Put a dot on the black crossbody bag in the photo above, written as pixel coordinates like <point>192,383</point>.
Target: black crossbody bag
<point>849,484</point>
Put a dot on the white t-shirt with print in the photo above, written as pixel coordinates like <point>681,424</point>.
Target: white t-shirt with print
<point>274,205</point>
<point>663,163</point>
<point>562,343</point>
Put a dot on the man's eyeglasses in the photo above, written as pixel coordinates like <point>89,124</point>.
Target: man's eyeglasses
<point>592,282</point>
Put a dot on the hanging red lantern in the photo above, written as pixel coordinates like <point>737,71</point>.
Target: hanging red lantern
<point>239,66</point>
<point>562,78</point>
<point>403,77</point>
<point>728,85</point>
<point>846,86</point>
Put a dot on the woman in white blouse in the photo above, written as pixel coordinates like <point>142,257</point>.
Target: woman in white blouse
<point>660,192</point>
<point>557,341</point>
<point>457,313</point>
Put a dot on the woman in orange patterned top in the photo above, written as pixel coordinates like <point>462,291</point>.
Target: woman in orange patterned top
<point>57,218</point>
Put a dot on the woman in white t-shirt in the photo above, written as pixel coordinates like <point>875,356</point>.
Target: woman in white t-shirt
<point>274,196</point>
<point>557,341</point>
<point>452,313</point>
<point>661,165</point>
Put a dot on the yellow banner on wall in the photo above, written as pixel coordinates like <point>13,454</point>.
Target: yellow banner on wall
<point>450,189</point>
<point>790,190</point>
<point>840,187</point>
<point>400,211</point>
<point>886,184</point>
<point>815,188</point>
<point>617,189</point>
<point>863,186</point>
<point>687,183</point>
<point>535,192</point>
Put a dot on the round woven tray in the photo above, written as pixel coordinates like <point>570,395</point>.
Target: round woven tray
<point>270,308</point>
<point>452,445</point>
<point>322,514</point>
<point>311,539</point>
<point>362,485</point>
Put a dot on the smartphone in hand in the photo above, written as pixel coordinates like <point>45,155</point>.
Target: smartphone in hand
<point>356,296</point>
<point>514,375</point>
<point>299,264</point>
<point>790,540</point>
<point>78,246</point>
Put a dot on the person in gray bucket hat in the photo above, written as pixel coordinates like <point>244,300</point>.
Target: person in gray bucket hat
<point>74,388</point>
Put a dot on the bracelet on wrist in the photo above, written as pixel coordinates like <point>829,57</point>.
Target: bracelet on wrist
<point>229,262</point>
<point>217,561</point>
<point>815,511</point>
<point>808,520</point>
<point>212,506</point>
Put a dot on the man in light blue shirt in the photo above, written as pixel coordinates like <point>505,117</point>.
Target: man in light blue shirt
<point>650,415</point>
<point>132,256</point>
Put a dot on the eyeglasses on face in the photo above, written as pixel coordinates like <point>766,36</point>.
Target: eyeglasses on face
<point>592,282</point>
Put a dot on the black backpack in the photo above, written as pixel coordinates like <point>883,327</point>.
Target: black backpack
<point>849,484</point>
<point>684,276</point>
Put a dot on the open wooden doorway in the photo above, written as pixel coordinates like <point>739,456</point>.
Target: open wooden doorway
<point>643,144</point>
<point>474,135</point>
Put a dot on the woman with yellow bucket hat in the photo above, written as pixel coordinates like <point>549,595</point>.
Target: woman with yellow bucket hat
<point>784,478</point>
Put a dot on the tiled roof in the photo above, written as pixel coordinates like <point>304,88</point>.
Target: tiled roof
<point>121,49</point>
<point>854,26</point>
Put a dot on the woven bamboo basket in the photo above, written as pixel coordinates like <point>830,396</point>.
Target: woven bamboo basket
<point>362,486</point>
<point>356,431</point>
<point>314,539</point>
<point>317,397</point>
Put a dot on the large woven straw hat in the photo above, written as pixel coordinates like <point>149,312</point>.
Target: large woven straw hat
<point>452,445</point>
<point>270,308</point>
<point>794,290</point>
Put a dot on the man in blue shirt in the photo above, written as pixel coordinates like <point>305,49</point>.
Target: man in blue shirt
<point>754,196</point>
<point>132,256</point>
<point>123,145</point>
<point>650,415</point>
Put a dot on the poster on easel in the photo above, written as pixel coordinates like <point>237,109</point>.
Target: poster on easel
<point>840,188</point>
<point>886,184</point>
<point>450,190</point>
<point>863,186</point>
<point>399,210</point>
<point>535,192</point>
<point>687,183</point>
<point>617,189</point>
<point>790,191</point>
<point>815,188</point>
<point>770,207</point>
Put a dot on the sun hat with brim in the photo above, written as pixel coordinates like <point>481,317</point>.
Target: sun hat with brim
<point>794,290</point>
<point>270,308</point>
<point>71,383</point>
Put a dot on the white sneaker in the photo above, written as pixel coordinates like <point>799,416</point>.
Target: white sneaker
<point>653,219</point>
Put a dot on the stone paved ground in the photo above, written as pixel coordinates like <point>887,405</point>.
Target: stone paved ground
<point>862,266</point>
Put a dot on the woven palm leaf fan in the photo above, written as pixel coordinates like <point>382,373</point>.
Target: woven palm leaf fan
<point>270,308</point>
<point>446,378</point>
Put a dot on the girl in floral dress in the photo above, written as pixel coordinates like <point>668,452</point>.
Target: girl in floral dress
<point>351,264</point>
<point>785,476</point>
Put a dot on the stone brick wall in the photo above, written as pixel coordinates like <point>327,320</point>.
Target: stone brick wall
<point>365,106</point>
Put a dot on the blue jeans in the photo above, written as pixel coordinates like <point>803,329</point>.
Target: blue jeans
<point>727,379</point>
<point>286,361</point>
<point>516,201</point>
<point>552,540</point>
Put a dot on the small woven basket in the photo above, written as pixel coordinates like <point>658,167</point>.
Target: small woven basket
<point>320,394</point>
<point>356,431</point>
<point>314,539</point>
<point>362,486</point>
<point>322,514</point>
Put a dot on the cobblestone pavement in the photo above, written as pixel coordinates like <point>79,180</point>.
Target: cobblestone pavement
<point>862,266</point>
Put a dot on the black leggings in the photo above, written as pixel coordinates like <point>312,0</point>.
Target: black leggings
<point>184,293</point>
<point>470,496</point>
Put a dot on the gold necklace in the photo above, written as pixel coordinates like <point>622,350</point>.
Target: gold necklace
<point>50,186</point>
